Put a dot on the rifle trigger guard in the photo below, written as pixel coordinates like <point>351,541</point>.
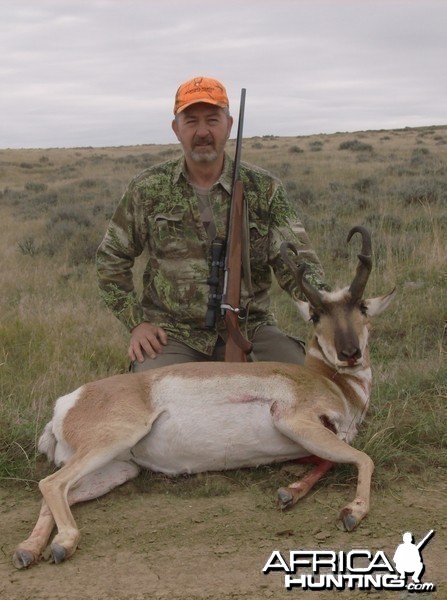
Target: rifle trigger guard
<point>240,311</point>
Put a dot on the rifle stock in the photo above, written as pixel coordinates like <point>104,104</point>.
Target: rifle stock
<point>237,346</point>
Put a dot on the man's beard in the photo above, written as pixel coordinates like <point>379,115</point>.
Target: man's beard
<point>204,157</point>
<point>200,154</point>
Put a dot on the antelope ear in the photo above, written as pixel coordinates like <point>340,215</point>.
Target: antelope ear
<point>377,305</point>
<point>303,309</point>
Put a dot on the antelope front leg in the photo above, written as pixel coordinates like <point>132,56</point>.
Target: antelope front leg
<point>355,511</point>
<point>312,435</point>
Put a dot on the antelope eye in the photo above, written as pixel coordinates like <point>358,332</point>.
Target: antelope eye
<point>315,318</point>
<point>364,309</point>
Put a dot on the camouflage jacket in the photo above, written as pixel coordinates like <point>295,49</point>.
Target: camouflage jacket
<point>159,212</point>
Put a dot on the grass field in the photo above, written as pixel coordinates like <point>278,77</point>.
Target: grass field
<point>55,333</point>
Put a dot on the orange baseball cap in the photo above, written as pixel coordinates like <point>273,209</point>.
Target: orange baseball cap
<point>200,89</point>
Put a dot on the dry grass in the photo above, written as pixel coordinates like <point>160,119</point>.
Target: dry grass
<point>55,333</point>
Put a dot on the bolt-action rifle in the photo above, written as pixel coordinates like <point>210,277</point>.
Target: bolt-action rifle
<point>227,254</point>
<point>237,347</point>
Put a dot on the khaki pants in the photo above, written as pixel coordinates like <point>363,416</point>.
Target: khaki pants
<point>269,344</point>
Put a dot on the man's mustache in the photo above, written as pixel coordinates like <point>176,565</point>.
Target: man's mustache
<point>202,141</point>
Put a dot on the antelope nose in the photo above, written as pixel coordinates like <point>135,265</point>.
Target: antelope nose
<point>350,355</point>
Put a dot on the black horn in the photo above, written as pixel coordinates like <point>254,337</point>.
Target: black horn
<point>311,293</point>
<point>360,280</point>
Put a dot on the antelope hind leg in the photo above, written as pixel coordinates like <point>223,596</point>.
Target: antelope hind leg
<point>288,496</point>
<point>30,550</point>
<point>311,434</point>
<point>89,487</point>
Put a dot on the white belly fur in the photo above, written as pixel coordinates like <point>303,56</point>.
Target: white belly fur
<point>223,424</point>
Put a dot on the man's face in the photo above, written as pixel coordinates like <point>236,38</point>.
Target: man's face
<point>203,130</point>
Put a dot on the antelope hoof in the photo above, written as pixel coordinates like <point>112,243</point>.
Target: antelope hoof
<point>23,559</point>
<point>349,521</point>
<point>285,498</point>
<point>58,554</point>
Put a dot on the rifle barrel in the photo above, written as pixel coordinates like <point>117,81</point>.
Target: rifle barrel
<point>237,162</point>
<point>425,539</point>
<point>240,127</point>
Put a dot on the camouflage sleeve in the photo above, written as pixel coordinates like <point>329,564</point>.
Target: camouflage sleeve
<point>123,242</point>
<point>286,226</point>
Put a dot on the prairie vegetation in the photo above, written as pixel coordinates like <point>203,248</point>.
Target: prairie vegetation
<point>55,333</point>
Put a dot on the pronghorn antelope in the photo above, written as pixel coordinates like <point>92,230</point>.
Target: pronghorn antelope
<point>215,416</point>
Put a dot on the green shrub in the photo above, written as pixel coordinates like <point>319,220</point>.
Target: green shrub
<point>28,246</point>
<point>316,146</point>
<point>423,190</point>
<point>355,146</point>
<point>36,187</point>
<point>365,184</point>
<point>296,150</point>
<point>75,215</point>
<point>82,247</point>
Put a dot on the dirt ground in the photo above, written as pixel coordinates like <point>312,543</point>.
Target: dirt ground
<point>153,544</point>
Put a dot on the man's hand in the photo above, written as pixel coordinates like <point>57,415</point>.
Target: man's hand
<point>146,338</point>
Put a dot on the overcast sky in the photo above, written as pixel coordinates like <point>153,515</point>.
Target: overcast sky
<point>104,72</point>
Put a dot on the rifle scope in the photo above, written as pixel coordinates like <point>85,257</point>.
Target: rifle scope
<point>214,297</point>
